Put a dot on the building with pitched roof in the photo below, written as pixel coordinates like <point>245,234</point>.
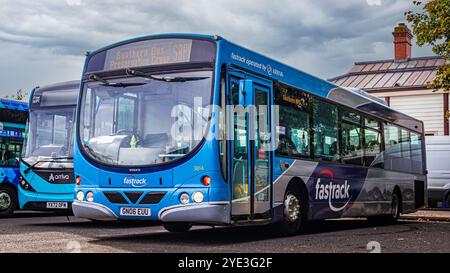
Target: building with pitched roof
<point>403,83</point>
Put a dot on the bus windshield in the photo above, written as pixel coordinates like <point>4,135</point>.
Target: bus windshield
<point>145,120</point>
<point>49,136</point>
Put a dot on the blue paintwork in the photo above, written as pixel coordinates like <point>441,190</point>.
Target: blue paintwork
<point>44,191</point>
<point>10,175</point>
<point>184,175</point>
<point>13,105</point>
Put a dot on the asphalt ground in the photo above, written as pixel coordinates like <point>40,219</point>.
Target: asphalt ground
<point>50,233</point>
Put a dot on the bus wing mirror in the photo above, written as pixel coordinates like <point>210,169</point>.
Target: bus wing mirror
<point>245,92</point>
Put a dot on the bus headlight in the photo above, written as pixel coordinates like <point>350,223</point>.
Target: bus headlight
<point>184,198</point>
<point>24,185</point>
<point>197,197</point>
<point>90,196</point>
<point>80,196</point>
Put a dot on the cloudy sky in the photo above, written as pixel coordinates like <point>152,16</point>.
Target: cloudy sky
<point>43,41</point>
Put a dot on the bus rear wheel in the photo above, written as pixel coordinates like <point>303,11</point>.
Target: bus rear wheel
<point>177,227</point>
<point>393,217</point>
<point>8,201</point>
<point>294,213</point>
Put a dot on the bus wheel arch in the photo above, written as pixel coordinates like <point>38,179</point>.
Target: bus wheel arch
<point>295,208</point>
<point>9,194</point>
<point>398,192</point>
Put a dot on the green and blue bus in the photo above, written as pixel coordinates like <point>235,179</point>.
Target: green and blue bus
<point>196,130</point>
<point>46,168</point>
<point>13,117</point>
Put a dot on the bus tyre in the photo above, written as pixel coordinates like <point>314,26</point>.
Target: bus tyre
<point>8,201</point>
<point>391,218</point>
<point>177,227</point>
<point>294,213</point>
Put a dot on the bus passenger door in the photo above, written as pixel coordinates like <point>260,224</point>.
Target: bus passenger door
<point>250,174</point>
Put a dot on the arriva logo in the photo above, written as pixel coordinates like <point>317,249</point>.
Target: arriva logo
<point>133,181</point>
<point>332,191</point>
<point>54,177</point>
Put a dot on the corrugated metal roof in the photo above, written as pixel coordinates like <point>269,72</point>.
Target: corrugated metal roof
<point>416,72</point>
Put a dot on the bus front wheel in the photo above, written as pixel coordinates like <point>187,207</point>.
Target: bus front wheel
<point>177,227</point>
<point>8,201</point>
<point>294,213</point>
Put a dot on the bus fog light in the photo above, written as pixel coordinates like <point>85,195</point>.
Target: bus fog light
<point>184,198</point>
<point>80,196</point>
<point>90,196</point>
<point>197,197</point>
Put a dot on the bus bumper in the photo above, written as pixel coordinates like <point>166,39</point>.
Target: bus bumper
<point>93,211</point>
<point>206,213</point>
<point>37,201</point>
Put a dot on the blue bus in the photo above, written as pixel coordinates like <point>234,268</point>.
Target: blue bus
<point>193,129</point>
<point>46,167</point>
<point>13,117</point>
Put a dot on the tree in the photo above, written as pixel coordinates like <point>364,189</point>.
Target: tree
<point>20,95</point>
<point>432,26</point>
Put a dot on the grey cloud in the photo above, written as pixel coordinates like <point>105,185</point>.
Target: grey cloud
<point>322,37</point>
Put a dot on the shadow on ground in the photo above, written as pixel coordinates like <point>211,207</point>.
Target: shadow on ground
<point>216,237</point>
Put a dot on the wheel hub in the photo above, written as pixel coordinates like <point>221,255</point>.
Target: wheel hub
<point>5,201</point>
<point>291,208</point>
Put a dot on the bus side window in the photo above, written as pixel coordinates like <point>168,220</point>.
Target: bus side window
<point>416,153</point>
<point>294,125</point>
<point>325,127</point>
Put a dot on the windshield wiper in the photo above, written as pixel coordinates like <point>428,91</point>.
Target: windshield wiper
<point>96,78</point>
<point>50,159</point>
<point>132,72</point>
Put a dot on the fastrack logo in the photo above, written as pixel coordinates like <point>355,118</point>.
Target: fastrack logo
<point>54,177</point>
<point>332,191</point>
<point>133,181</point>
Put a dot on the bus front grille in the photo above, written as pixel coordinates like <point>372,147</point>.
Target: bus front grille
<point>153,198</point>
<point>115,198</point>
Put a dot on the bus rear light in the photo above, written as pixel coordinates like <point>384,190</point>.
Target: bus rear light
<point>78,181</point>
<point>206,180</point>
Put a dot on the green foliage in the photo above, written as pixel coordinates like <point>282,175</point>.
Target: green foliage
<point>20,95</point>
<point>431,26</point>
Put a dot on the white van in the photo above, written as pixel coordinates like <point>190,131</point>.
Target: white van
<point>438,165</point>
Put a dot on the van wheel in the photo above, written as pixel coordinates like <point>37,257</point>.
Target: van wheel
<point>294,213</point>
<point>8,201</point>
<point>177,227</point>
<point>447,200</point>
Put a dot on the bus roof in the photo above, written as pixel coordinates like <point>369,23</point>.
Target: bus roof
<point>61,86</point>
<point>13,105</point>
<point>267,67</point>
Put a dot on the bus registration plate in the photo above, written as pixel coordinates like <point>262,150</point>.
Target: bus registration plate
<point>57,205</point>
<point>126,211</point>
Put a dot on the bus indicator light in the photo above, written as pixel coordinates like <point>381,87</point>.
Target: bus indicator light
<point>78,180</point>
<point>206,180</point>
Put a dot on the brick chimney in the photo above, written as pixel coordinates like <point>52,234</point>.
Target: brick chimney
<point>402,42</point>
